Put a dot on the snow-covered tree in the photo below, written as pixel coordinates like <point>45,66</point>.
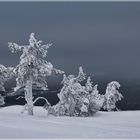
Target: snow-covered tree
<point>112,95</point>
<point>89,85</point>
<point>5,74</point>
<point>95,100</point>
<point>32,69</point>
<point>70,95</point>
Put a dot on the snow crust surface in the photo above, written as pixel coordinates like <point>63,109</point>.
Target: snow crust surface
<point>13,124</point>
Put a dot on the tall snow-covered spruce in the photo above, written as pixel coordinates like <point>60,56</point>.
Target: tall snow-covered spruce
<point>32,69</point>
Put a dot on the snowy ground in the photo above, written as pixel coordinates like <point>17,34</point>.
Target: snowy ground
<point>125,124</point>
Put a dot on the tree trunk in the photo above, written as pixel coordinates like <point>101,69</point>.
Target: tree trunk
<point>29,97</point>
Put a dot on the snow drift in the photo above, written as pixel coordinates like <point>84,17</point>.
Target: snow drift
<point>123,124</point>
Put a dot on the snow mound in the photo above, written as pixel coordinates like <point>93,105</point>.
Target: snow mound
<point>123,124</point>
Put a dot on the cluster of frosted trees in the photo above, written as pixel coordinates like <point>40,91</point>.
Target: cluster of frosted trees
<point>84,100</point>
<point>76,99</point>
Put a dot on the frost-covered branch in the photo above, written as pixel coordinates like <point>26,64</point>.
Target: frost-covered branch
<point>14,47</point>
<point>20,97</point>
<point>41,98</point>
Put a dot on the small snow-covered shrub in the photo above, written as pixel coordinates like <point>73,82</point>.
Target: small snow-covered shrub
<point>96,101</point>
<point>70,100</point>
<point>5,74</point>
<point>111,96</point>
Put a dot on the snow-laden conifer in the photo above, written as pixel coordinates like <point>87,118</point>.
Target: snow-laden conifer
<point>32,68</point>
<point>70,95</point>
<point>96,100</point>
<point>5,74</point>
<point>112,95</point>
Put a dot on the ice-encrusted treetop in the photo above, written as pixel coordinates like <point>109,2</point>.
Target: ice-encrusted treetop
<point>88,85</point>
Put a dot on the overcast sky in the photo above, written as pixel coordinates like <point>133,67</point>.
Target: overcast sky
<point>103,37</point>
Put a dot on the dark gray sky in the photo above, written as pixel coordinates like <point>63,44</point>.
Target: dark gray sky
<point>103,37</point>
